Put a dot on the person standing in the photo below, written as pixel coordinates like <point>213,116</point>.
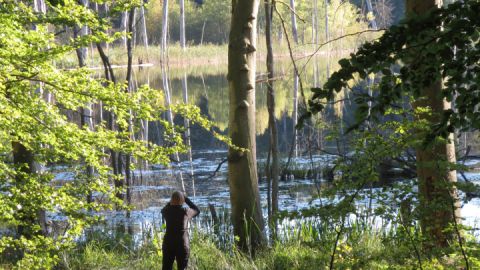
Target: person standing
<point>176,244</point>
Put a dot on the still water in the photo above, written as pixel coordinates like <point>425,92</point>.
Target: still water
<point>206,87</point>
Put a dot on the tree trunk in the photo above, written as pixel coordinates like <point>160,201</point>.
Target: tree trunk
<point>315,25</point>
<point>372,20</point>
<point>203,32</point>
<point>23,158</point>
<point>86,113</point>
<point>327,35</point>
<point>280,34</point>
<point>295,113</point>
<point>242,165</point>
<point>294,21</point>
<point>114,156</point>
<point>102,14</point>
<point>186,125</point>
<point>272,124</point>
<point>313,28</point>
<point>437,194</point>
<point>128,158</point>
<point>168,102</point>
<point>327,38</point>
<point>182,24</point>
<point>143,27</point>
<point>123,28</point>
<point>164,26</point>
<point>133,31</point>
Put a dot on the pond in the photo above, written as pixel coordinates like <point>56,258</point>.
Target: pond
<point>206,87</point>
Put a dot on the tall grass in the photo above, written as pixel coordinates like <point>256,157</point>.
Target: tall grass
<point>304,244</point>
<point>205,54</point>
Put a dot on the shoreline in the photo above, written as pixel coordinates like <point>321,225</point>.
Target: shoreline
<point>193,57</point>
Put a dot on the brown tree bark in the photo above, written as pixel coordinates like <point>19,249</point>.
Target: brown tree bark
<point>438,197</point>
<point>242,165</point>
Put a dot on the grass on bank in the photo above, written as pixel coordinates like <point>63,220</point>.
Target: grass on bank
<point>210,54</point>
<point>304,248</point>
<point>118,55</point>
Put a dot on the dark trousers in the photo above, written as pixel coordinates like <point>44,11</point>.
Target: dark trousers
<point>175,253</point>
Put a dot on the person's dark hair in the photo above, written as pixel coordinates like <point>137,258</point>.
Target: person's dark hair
<point>177,198</point>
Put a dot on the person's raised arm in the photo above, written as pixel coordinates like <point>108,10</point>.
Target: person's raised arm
<point>193,211</point>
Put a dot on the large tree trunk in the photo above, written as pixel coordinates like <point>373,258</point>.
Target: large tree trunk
<point>272,124</point>
<point>242,165</point>
<point>438,197</point>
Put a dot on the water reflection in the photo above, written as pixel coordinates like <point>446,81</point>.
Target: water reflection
<point>150,195</point>
<point>207,88</point>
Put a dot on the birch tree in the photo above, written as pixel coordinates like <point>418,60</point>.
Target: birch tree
<point>182,24</point>
<point>293,16</point>
<point>143,27</point>
<point>164,27</point>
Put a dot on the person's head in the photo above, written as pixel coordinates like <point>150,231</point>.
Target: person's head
<point>177,198</point>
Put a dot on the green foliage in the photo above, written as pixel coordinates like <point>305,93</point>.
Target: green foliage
<point>439,45</point>
<point>364,247</point>
<point>36,99</point>
<point>358,183</point>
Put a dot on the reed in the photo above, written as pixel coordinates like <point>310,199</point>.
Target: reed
<point>304,243</point>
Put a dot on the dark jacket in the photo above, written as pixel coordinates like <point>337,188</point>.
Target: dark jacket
<point>177,218</point>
